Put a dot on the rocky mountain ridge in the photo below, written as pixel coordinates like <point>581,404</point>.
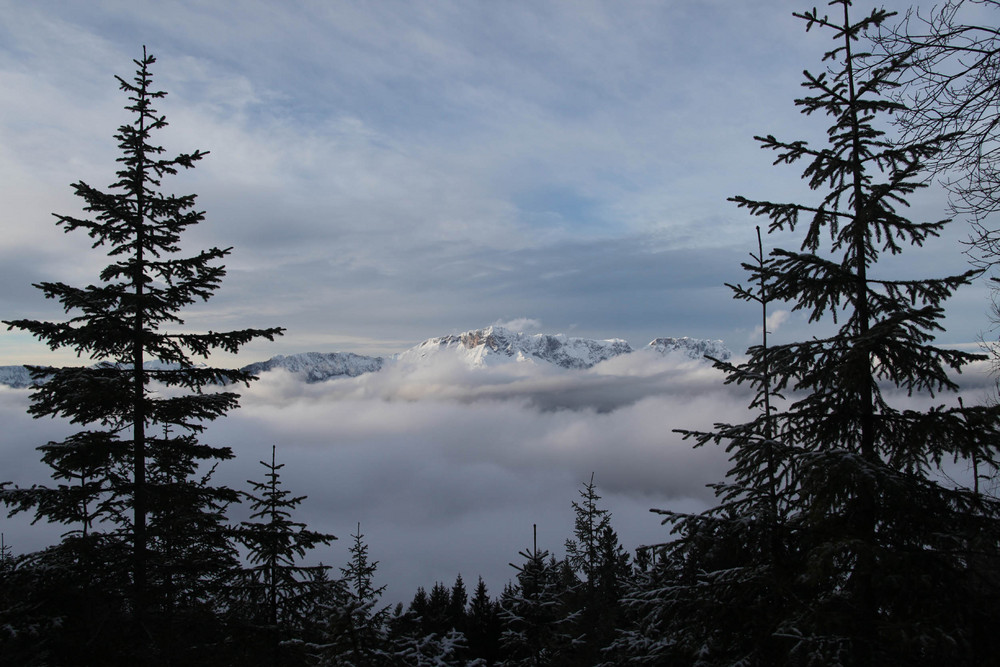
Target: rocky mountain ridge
<point>477,348</point>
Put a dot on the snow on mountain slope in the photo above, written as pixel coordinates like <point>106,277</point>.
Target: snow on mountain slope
<point>319,366</point>
<point>17,377</point>
<point>497,345</point>
<point>478,348</point>
<point>693,348</point>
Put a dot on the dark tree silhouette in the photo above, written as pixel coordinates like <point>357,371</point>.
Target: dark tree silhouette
<point>279,591</point>
<point>840,527</point>
<point>355,627</point>
<point>533,612</point>
<point>116,477</point>
<point>601,568</point>
<point>950,83</point>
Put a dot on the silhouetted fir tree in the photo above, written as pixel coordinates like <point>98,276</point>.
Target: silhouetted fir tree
<point>534,614</point>
<point>412,622</point>
<point>436,617</point>
<point>459,599</point>
<point>278,592</point>
<point>428,633</point>
<point>849,543</point>
<point>355,628</point>
<point>599,567</point>
<point>112,484</point>
<point>7,555</point>
<point>589,522</point>
<point>483,626</point>
<point>614,568</point>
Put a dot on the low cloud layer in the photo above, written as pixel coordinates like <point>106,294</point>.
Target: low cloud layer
<point>447,468</point>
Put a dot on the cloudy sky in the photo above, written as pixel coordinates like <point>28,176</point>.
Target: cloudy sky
<point>391,171</point>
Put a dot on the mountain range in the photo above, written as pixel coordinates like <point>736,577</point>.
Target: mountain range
<point>487,347</point>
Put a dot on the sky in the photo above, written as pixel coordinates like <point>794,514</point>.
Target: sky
<point>391,171</point>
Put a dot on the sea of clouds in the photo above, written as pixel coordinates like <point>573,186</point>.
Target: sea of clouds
<point>446,468</point>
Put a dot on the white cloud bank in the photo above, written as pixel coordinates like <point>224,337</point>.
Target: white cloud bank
<point>447,468</point>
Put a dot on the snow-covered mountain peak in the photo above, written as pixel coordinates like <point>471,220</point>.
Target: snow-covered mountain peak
<point>694,348</point>
<point>477,348</point>
<point>319,366</point>
<point>496,344</point>
<point>17,377</point>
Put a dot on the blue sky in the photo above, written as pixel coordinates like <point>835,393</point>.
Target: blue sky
<point>392,171</point>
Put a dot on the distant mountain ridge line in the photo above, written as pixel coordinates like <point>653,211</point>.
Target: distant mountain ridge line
<point>489,346</point>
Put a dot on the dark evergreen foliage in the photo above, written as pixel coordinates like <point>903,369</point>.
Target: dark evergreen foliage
<point>354,626</point>
<point>457,603</point>
<point>119,487</point>
<point>720,590</point>
<point>483,626</point>
<point>837,540</point>
<point>534,613</point>
<point>278,594</point>
<point>600,567</point>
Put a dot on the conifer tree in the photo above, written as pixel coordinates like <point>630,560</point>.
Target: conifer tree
<point>589,522</point>
<point>533,613</point>
<point>280,590</point>
<point>718,591</point>
<point>839,527</point>
<point>431,632</point>
<point>483,626</point>
<point>6,555</point>
<point>436,618</point>
<point>116,479</point>
<point>459,598</point>
<point>600,569</point>
<point>355,631</point>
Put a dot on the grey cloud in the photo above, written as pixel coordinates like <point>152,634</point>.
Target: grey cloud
<point>447,468</point>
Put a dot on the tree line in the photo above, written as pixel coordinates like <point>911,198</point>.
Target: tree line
<point>835,537</point>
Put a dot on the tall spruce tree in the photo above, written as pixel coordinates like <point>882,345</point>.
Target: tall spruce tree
<point>852,542</point>
<point>456,613</point>
<point>877,528</point>
<point>534,612</point>
<point>602,568</point>
<point>118,482</point>
<point>483,626</point>
<point>355,629</point>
